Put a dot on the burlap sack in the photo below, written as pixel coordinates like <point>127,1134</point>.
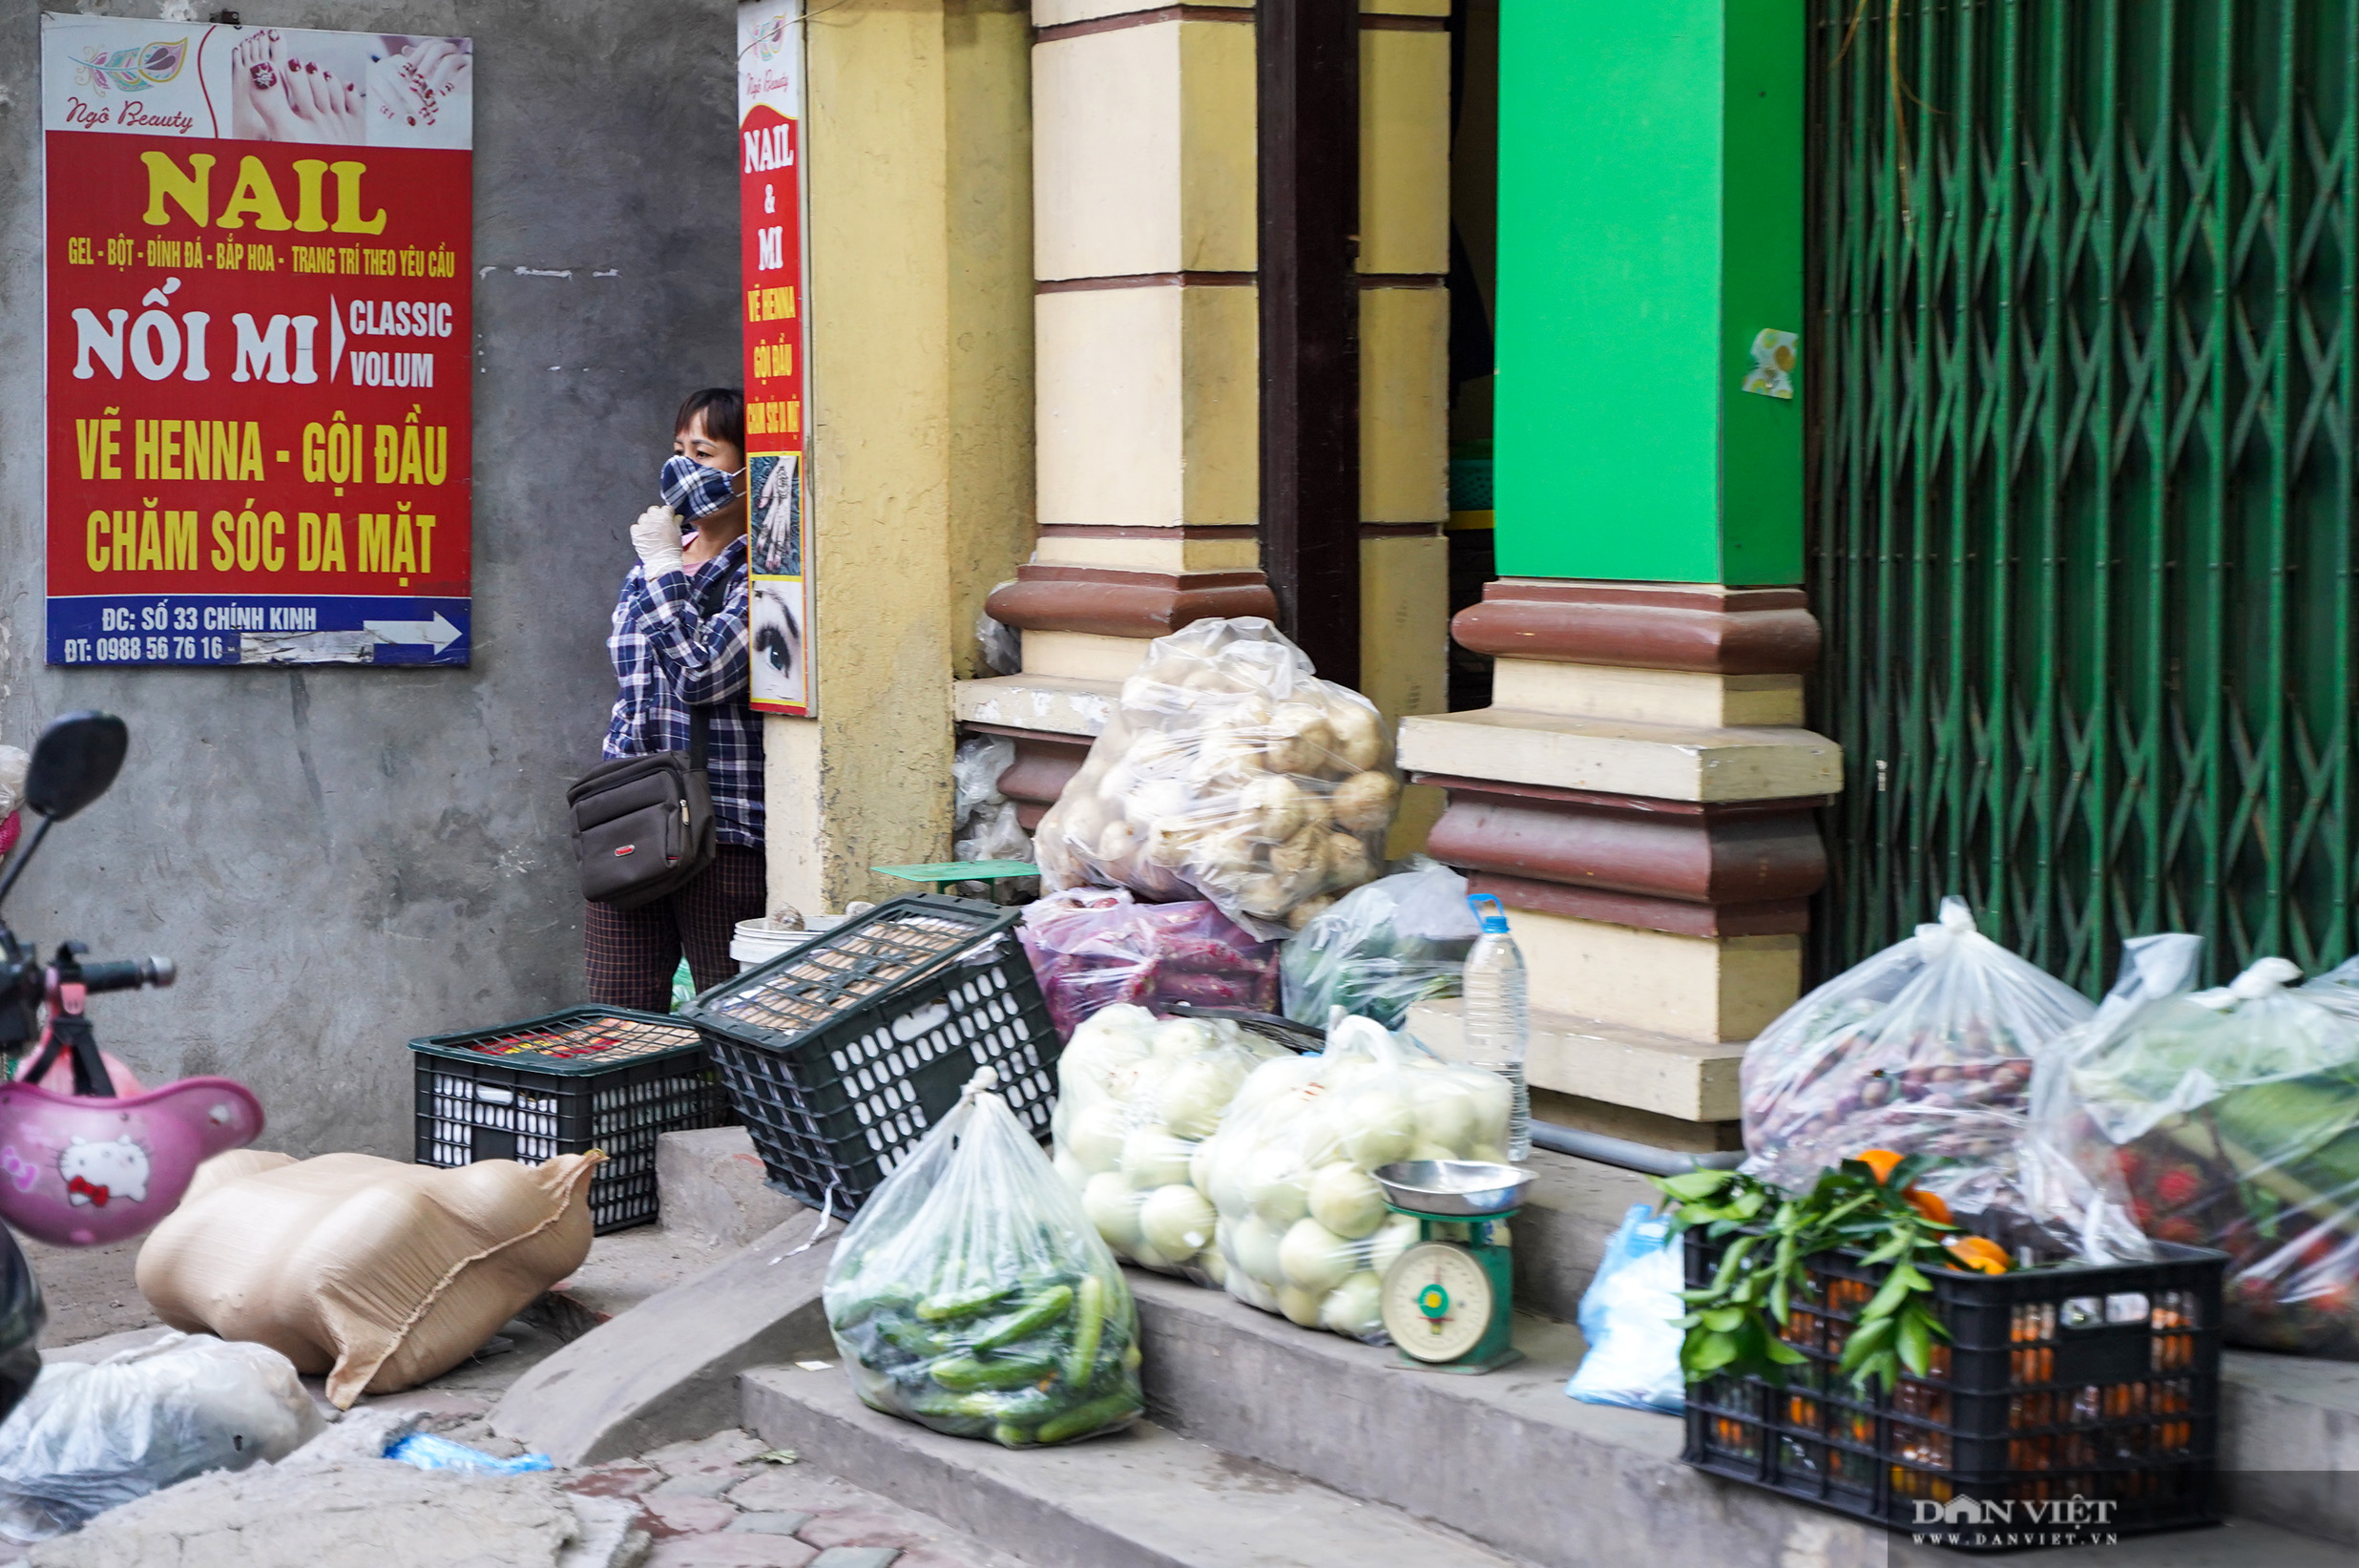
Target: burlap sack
<point>377,1273</point>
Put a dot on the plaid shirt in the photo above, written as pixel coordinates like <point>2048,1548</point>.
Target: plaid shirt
<point>668,655</point>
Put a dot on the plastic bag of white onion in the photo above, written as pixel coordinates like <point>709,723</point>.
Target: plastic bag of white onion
<point>1136,1097</point>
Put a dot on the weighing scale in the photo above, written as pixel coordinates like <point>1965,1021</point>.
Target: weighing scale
<point>1448,1302</point>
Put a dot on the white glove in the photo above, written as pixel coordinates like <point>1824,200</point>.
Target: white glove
<point>655,536</point>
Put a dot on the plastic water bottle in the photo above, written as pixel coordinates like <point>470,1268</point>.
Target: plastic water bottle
<point>1499,1017</point>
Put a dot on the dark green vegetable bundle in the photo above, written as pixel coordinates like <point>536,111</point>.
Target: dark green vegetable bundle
<point>1382,949</point>
<point>973,1297</point>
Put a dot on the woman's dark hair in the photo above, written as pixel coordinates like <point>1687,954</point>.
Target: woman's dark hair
<point>722,409</point>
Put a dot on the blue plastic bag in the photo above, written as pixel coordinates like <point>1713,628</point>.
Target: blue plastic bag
<point>427,1452</point>
<point>1626,1316</point>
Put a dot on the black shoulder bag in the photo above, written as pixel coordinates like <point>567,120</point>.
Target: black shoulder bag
<point>644,825</point>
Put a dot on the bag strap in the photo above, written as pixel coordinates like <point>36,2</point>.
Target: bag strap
<point>708,604</point>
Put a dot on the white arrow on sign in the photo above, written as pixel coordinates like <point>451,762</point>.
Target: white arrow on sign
<point>439,631</point>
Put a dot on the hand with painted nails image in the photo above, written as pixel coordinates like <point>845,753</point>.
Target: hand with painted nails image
<point>417,83</point>
<point>279,96</point>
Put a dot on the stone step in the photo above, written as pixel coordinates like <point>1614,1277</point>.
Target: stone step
<point>710,1188</point>
<point>1318,1405</point>
<point>1508,1460</point>
<point>1692,1082</point>
<point>1570,1210</point>
<point>1272,1447</point>
<point>1619,757</point>
<point>1063,704</point>
<point>2289,1434</point>
<point>1505,1458</point>
<point>1665,1133</point>
<point>1141,1499</point>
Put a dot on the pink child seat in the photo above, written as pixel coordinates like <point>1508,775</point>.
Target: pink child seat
<point>82,1170</point>
<point>79,1171</point>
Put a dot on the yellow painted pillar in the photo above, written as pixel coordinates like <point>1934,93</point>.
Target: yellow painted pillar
<point>1146,369</point>
<point>1145,309</point>
<point>1148,383</point>
<point>1405,372</point>
<point>921,348</point>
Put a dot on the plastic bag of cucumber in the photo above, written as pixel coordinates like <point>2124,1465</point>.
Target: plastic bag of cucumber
<point>973,1296</point>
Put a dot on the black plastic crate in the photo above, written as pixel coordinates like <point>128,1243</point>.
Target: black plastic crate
<point>2101,1385</point>
<point>840,1053</point>
<point>586,1077</point>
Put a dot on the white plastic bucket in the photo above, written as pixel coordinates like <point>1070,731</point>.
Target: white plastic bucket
<point>757,941</point>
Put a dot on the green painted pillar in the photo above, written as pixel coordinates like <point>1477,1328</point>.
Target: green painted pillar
<point>1650,229</point>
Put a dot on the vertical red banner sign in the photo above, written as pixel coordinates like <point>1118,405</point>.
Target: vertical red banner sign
<point>770,195</point>
<point>259,344</point>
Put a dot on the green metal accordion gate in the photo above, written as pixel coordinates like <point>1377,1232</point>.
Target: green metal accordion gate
<point>2080,367</point>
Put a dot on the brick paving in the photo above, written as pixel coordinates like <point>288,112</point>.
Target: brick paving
<point>717,1503</point>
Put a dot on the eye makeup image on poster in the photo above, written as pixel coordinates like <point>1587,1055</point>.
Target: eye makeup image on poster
<point>777,672</point>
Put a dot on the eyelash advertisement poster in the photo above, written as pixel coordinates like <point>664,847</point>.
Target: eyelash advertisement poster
<point>260,354</point>
<point>771,188</point>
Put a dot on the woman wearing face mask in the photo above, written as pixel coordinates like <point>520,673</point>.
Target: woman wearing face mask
<point>680,641</point>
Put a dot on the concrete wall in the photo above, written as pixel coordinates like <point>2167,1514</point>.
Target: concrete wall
<point>343,859</point>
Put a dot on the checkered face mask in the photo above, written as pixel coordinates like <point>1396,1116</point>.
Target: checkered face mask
<point>693,491</point>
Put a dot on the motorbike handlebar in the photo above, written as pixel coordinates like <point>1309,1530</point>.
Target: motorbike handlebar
<point>129,974</point>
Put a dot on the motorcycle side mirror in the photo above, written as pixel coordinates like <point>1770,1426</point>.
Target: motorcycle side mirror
<point>74,762</point>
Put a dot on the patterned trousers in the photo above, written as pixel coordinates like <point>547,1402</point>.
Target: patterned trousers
<point>632,953</point>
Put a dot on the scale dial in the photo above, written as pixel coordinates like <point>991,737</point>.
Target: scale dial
<point>1437,1302</point>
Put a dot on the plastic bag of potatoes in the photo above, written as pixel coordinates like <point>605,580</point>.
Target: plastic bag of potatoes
<point>1136,1097</point>
<point>1231,773</point>
<point>1303,1227</point>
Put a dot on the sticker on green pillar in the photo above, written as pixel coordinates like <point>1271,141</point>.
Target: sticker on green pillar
<point>1773,364</point>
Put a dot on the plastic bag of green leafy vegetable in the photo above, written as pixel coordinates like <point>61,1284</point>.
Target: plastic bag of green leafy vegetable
<point>2226,1118</point>
<point>1381,948</point>
<point>973,1296</point>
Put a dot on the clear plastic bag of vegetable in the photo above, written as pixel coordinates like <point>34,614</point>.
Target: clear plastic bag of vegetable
<point>1627,1316</point>
<point>1094,948</point>
<point>1137,1096</point>
<point>1924,1048</point>
<point>973,1297</point>
<point>2229,1119</point>
<point>1303,1228</point>
<point>1231,773</point>
<point>2069,1185</point>
<point>1382,949</point>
